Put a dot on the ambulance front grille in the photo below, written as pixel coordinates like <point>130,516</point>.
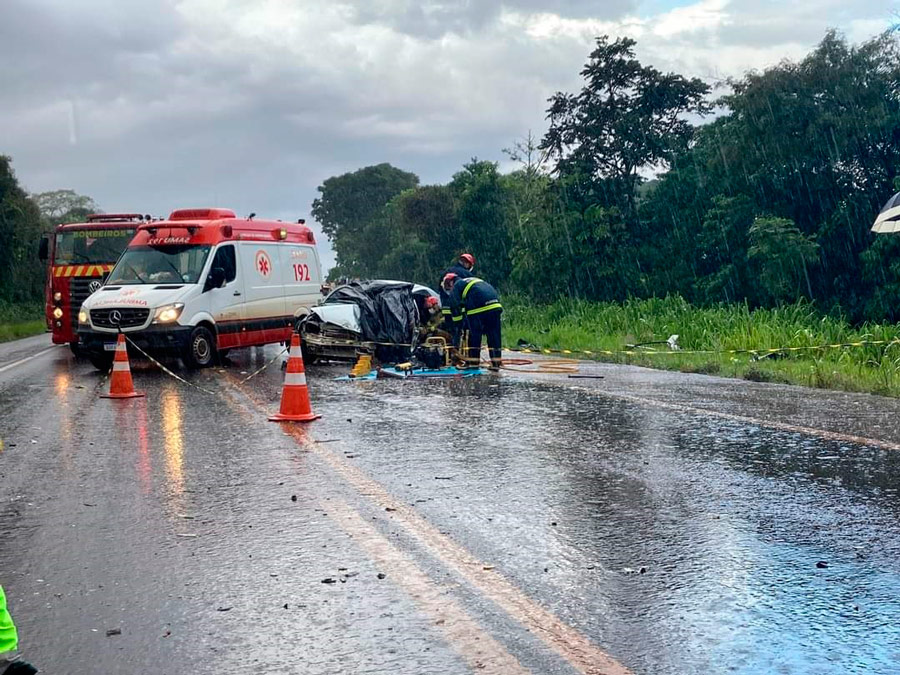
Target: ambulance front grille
<point>128,317</point>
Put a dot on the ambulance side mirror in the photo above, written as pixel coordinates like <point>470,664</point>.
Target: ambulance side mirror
<point>215,279</point>
<point>44,248</point>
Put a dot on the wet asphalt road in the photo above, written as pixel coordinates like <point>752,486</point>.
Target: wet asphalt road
<point>647,521</point>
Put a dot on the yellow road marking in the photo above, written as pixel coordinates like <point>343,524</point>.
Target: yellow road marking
<point>584,656</point>
<point>473,643</point>
<point>568,642</point>
<point>771,424</point>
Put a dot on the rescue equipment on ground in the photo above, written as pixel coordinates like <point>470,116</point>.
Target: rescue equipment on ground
<point>434,353</point>
<point>120,384</point>
<point>412,373</point>
<point>363,366</point>
<point>295,405</point>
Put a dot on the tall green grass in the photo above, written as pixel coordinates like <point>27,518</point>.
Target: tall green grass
<point>581,325</point>
<point>18,321</point>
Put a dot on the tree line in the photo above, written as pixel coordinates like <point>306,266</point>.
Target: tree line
<point>647,183</point>
<point>24,219</point>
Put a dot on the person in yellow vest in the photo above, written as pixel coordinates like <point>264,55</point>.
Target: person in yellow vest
<point>476,303</point>
<point>9,643</point>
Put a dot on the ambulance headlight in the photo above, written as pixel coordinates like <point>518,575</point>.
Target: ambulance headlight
<point>57,313</point>
<point>169,313</point>
<point>82,316</point>
<point>57,297</point>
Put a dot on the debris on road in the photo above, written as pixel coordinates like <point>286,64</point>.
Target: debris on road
<point>223,609</point>
<point>329,580</point>
<point>113,631</point>
<point>821,564</point>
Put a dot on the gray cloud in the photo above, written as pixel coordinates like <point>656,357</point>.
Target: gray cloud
<point>435,18</point>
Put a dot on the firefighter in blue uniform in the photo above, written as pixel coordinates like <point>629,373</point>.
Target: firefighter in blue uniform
<point>476,303</point>
<point>463,269</point>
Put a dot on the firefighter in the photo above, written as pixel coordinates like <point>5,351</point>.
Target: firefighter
<point>9,642</point>
<point>477,303</point>
<point>463,269</point>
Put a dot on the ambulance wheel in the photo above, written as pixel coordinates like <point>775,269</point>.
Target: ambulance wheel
<point>201,351</point>
<point>102,361</point>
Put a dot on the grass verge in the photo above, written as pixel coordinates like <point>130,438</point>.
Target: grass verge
<point>581,325</point>
<point>18,321</point>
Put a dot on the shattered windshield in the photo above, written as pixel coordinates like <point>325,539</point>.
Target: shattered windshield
<point>160,264</point>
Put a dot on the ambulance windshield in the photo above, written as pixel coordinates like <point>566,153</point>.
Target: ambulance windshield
<point>180,264</point>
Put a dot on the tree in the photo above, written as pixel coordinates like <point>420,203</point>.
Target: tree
<point>482,211</point>
<point>424,232</point>
<point>21,275</point>
<point>628,117</point>
<point>781,255</point>
<point>349,209</point>
<point>64,206</point>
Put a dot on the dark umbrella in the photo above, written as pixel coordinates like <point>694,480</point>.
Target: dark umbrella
<point>889,218</point>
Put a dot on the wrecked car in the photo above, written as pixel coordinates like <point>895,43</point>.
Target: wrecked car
<point>380,317</point>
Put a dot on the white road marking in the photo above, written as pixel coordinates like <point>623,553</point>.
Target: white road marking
<point>10,366</point>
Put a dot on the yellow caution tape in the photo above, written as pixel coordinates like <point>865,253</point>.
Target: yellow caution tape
<point>757,351</point>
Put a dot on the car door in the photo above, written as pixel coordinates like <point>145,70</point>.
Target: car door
<point>226,302</point>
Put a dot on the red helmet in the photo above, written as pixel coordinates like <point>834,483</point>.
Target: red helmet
<point>449,279</point>
<point>468,258</point>
<point>431,301</point>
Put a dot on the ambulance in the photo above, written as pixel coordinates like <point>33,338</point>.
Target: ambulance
<point>203,282</point>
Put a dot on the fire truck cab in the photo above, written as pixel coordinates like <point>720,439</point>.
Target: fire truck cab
<point>80,255</point>
<point>201,283</point>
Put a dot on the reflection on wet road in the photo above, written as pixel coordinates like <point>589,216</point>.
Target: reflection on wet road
<point>498,524</point>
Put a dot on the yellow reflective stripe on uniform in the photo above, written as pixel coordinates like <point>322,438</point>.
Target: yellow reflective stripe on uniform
<point>458,318</point>
<point>469,285</point>
<point>495,304</point>
<point>445,310</point>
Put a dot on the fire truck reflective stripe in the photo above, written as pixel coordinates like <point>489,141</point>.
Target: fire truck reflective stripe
<point>120,365</point>
<point>81,270</point>
<point>295,379</point>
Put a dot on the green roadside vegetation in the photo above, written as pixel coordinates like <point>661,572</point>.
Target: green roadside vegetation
<point>21,320</point>
<point>595,326</point>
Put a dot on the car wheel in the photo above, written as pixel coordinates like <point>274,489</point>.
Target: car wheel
<point>102,361</point>
<point>201,351</point>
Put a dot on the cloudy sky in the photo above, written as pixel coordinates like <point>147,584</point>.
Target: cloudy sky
<point>149,105</point>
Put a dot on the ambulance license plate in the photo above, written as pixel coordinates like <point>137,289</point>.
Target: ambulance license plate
<point>109,346</point>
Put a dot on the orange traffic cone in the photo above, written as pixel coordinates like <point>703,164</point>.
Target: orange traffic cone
<point>295,396</point>
<point>120,384</point>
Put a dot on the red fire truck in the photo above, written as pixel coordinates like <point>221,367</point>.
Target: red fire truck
<point>80,257</point>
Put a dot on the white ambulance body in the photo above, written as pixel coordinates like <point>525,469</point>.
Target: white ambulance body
<point>201,283</point>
